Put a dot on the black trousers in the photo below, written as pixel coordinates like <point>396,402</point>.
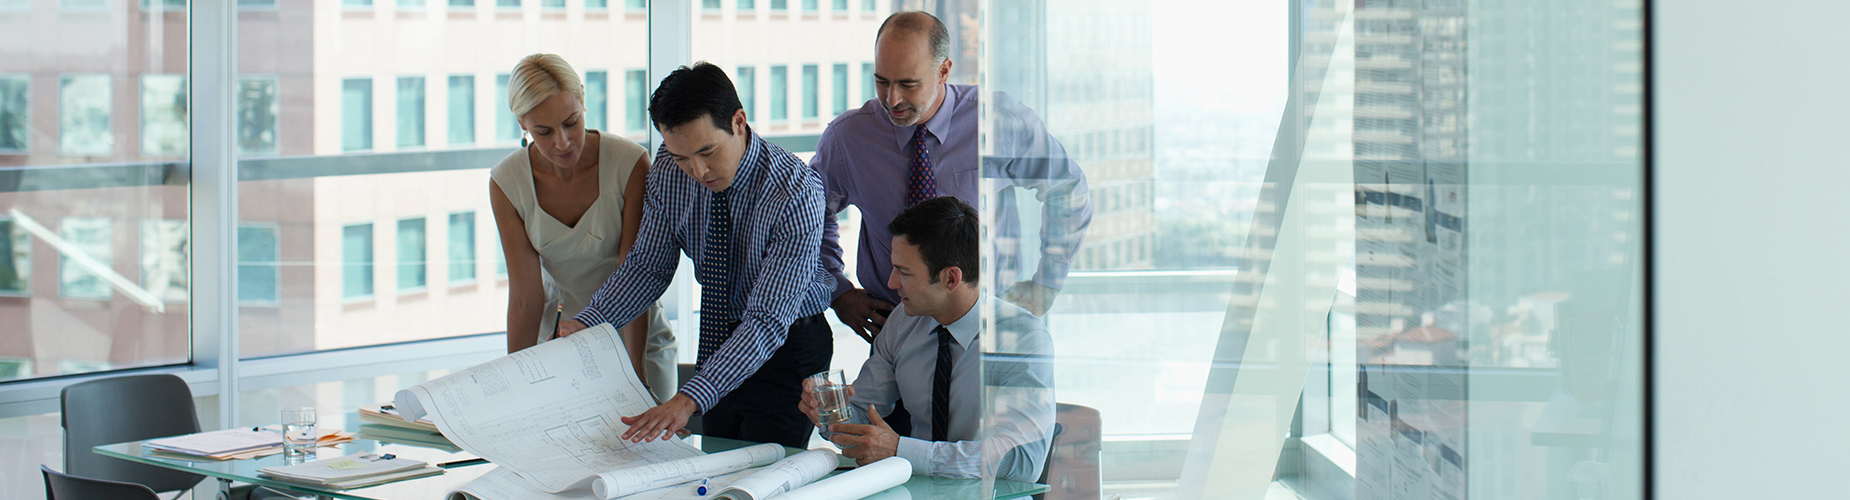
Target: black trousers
<point>764,408</point>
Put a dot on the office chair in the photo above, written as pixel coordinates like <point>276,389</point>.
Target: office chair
<point>131,408</point>
<point>1072,467</point>
<point>68,487</point>
<point>686,371</point>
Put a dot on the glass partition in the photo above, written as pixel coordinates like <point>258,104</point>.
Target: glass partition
<point>1339,250</point>
<point>94,144</point>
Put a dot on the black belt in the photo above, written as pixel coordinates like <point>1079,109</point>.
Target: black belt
<point>806,320</point>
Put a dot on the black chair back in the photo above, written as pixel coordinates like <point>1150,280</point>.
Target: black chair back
<point>120,409</point>
<point>61,486</point>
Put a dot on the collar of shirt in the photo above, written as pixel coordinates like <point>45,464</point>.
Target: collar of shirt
<point>937,126</point>
<point>748,162</point>
<point>964,330</point>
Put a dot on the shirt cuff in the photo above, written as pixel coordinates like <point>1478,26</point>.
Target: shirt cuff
<point>701,391</point>
<point>917,451</point>
<point>842,285</point>
<point>590,317</point>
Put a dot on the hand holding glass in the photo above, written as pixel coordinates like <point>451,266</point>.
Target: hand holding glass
<point>299,434</point>
<point>831,391</point>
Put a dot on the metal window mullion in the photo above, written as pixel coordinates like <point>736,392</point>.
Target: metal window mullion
<point>671,45</point>
<point>212,30</point>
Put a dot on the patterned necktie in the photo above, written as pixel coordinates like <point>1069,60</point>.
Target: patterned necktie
<point>919,186</point>
<point>941,388</point>
<point>716,281</point>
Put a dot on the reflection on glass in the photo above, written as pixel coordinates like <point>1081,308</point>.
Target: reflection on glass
<point>164,271</point>
<point>84,115</point>
<point>81,271</point>
<point>163,115</point>
<point>14,113</point>
<point>15,261</point>
<point>257,112</point>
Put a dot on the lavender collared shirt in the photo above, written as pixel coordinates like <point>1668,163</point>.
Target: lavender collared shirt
<point>865,161</point>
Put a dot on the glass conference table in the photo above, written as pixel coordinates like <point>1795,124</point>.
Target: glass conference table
<point>435,487</point>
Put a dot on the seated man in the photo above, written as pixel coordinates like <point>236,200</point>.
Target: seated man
<point>928,354</point>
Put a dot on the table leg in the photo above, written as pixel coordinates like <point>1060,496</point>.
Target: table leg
<point>224,489</point>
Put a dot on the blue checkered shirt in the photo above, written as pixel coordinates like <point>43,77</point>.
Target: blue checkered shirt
<point>776,203</point>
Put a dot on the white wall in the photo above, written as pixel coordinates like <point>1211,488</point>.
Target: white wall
<point>1752,235</point>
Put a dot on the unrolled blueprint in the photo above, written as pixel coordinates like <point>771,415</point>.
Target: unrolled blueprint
<point>548,413</point>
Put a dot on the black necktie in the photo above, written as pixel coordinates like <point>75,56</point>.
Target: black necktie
<point>941,388</point>
<point>715,289</point>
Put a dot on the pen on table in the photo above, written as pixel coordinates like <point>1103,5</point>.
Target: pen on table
<point>702,489</point>
<point>460,463</point>
<point>555,321</point>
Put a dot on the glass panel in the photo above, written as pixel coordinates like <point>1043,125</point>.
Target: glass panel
<point>410,111</point>
<point>810,103</point>
<point>462,248</point>
<point>411,254</point>
<point>94,148</point>
<point>377,188</point>
<point>597,100</point>
<point>1399,245</point>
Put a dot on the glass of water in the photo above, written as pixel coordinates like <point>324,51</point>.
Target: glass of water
<point>299,431</point>
<point>831,391</point>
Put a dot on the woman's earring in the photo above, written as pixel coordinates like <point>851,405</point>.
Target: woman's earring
<point>524,139</point>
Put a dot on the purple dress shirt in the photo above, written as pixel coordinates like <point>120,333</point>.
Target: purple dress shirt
<point>864,161</point>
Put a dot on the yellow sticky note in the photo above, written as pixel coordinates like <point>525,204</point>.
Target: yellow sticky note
<point>345,465</point>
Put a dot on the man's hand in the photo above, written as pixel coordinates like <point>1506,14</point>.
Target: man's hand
<point>569,327</point>
<point>808,405</point>
<point>861,312</point>
<point>1031,296</point>
<point>661,421</point>
<point>866,444</point>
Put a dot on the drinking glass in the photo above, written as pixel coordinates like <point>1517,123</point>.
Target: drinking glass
<point>299,431</point>
<point>831,390</point>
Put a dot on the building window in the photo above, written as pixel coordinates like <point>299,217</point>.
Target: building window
<point>83,115</point>
<point>508,4</point>
<point>258,273</point>
<point>780,4</point>
<point>840,74</point>
<point>868,5</point>
<point>14,114</point>
<point>744,5</point>
<point>809,5</point>
<point>15,259</point>
<point>809,91</point>
<point>163,259</point>
<point>163,115</point>
<point>597,99</point>
<point>160,5</point>
<point>90,237</point>
<point>867,82</point>
<point>500,262</point>
<point>415,4</point>
<point>356,114</point>
<point>411,255</point>
<point>747,85</point>
<point>410,111</point>
<point>462,109</point>
<point>257,110</point>
<point>636,93</point>
<point>637,4</point>
<point>506,129</point>
<point>462,247</point>
<point>357,3</point>
<point>462,3</point>
<point>356,255</point>
<point>841,5</point>
<point>597,4</point>
<point>780,93</point>
<point>709,4</point>
<point>552,4</point>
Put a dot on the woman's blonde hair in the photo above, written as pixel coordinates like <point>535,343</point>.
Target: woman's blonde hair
<point>536,78</point>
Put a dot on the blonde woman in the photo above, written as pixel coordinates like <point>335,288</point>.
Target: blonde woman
<point>568,206</point>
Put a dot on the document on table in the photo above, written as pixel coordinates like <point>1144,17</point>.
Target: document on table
<point>548,414</point>
<point>614,484</point>
<point>785,475</point>
<point>503,484</point>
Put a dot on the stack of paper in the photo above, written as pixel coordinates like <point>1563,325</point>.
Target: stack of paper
<point>237,444</point>
<point>407,436</point>
<point>351,471</point>
<point>387,414</point>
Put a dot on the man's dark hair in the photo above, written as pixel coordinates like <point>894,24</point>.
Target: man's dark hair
<point>690,93</point>
<point>923,23</point>
<point>944,229</point>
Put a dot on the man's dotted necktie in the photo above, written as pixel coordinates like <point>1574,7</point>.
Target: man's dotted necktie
<point>716,281</point>
<point>941,388</point>
<point>919,186</point>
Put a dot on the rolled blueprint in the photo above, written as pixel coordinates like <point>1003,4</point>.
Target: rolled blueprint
<point>855,484</point>
<point>618,483</point>
<point>785,475</point>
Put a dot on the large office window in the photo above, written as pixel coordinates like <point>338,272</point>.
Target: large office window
<point>356,114</point>
<point>597,100</point>
<point>15,114</point>
<point>636,100</point>
<point>506,128</point>
<point>462,247</point>
<point>84,115</point>
<point>81,271</point>
<point>411,254</point>
<point>746,82</point>
<point>840,94</point>
<point>257,115</point>
<point>462,109</point>
<point>163,115</point>
<point>259,278</point>
<point>810,97</point>
<point>780,92</point>
<point>356,252</point>
<point>410,111</point>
